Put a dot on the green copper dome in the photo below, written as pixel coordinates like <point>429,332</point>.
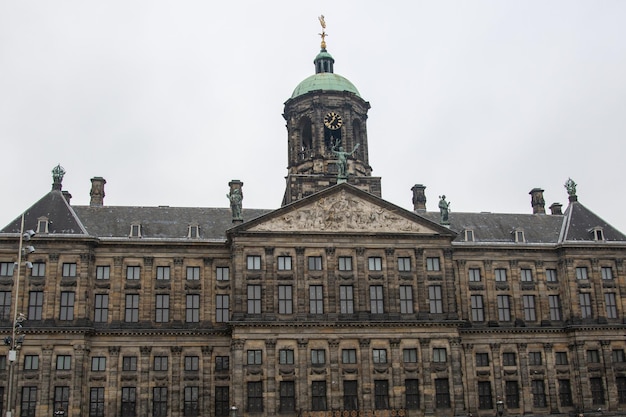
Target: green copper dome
<point>326,81</point>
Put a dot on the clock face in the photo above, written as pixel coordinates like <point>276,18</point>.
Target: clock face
<point>333,121</point>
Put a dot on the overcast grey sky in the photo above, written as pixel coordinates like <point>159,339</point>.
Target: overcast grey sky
<point>170,100</point>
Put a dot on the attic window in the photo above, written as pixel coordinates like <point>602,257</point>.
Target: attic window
<point>469,235</point>
<point>42,225</point>
<point>193,231</point>
<point>135,230</point>
<point>519,236</point>
<point>597,233</point>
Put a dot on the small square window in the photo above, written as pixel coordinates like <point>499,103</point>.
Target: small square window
<point>255,357</point>
<point>526,275</point>
<point>509,359</point>
<point>482,359</point>
<point>254,262</point>
<point>160,363</point>
<point>223,272</point>
<point>593,356</point>
<point>439,355</point>
<point>222,363</point>
<point>193,273</point>
<point>163,273</point>
<point>103,272</point>
<point>129,363</point>
<point>404,264</point>
<point>474,275</point>
<point>534,358</point>
<point>348,356</point>
<point>193,231</point>
<point>379,356</point>
<point>551,275</point>
<point>98,363</point>
<point>618,356</point>
<point>133,272</point>
<point>69,270</point>
<point>318,356</point>
<point>500,275</point>
<point>315,263</point>
<point>375,263</point>
<point>285,357</point>
<point>6,269</point>
<point>192,363</point>
<point>42,225</point>
<point>432,264</point>
<point>64,362</point>
<point>409,355</point>
<point>284,263</point>
<point>345,263</point>
<point>38,270</point>
<point>519,236</point>
<point>581,272</point>
<point>31,362</point>
<point>469,235</point>
<point>135,230</point>
<point>560,358</point>
<point>607,272</point>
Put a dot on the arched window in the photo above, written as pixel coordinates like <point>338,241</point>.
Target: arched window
<point>306,139</point>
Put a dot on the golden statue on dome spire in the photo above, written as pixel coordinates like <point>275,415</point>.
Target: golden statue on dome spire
<point>323,34</point>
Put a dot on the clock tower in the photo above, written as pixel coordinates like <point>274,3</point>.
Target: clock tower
<point>326,133</point>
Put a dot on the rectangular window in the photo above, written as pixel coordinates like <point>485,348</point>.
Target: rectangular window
<point>285,356</point>
<point>526,275</point>
<point>500,275</point>
<point>581,272</point>
<point>560,358</point>
<point>255,357</point>
<point>511,391</point>
<point>345,263</point>
<point>534,358</point>
<point>318,396</point>
<point>287,392</point>
<point>35,305</point>
<point>255,397</point>
<point>133,272</point>
<point>103,272</point>
<point>620,381</point>
<point>593,356</point>
<point>350,395</point>
<point>409,355</point>
<point>346,299</point>
<point>439,355</point>
<point>607,272</point>
<point>528,302</point>
<point>404,264</point>
<point>539,393</point>
<point>192,363</point>
<point>66,311</point>
<point>482,359</point>
<point>348,356</point>
<point>222,402</point>
<point>222,363</point>
<point>478,311</point>
<point>254,299</point>
<point>31,362</point>
<point>504,308</point>
<point>64,362</point>
<point>159,402</point>
<point>191,406</point>
<point>318,357</point>
<point>98,364</point>
<point>253,262</point>
<point>193,273</point>
<point>223,273</point>
<point>285,299</point>
<point>618,356</point>
<point>554,302</point>
<point>379,355</point>
<point>551,275</point>
<point>6,269</point>
<point>375,263</point>
<point>376,299</point>
<point>442,393</point>
<point>432,264</point>
<point>38,270</point>
<point>68,270</point>
<point>131,310</point>
<point>5,305</point>
<point>162,308</point>
<point>509,359</point>
<point>406,299</point>
<point>316,299</point>
<point>284,263</point>
<point>611,305</point>
<point>101,308</point>
<point>29,401</point>
<point>315,263</point>
<point>192,308</point>
<point>160,363</point>
<point>96,402</point>
<point>129,401</point>
<point>597,391</point>
<point>222,308</point>
<point>163,273</point>
<point>485,401</point>
<point>435,299</point>
<point>474,275</point>
<point>381,394</point>
<point>129,363</point>
<point>585,305</point>
<point>565,393</point>
<point>411,394</point>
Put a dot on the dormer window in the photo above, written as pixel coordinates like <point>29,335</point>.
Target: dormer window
<point>193,231</point>
<point>42,225</point>
<point>598,233</point>
<point>135,230</point>
<point>469,235</point>
<point>519,236</point>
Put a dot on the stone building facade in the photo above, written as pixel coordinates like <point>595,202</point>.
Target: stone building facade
<point>338,301</point>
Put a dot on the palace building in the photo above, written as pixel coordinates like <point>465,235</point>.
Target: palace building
<point>336,303</point>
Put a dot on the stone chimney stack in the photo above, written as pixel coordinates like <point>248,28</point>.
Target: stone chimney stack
<point>537,201</point>
<point>67,196</point>
<point>97,192</point>
<point>555,208</point>
<point>419,198</point>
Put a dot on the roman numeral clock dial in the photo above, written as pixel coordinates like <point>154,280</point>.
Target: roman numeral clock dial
<point>333,121</point>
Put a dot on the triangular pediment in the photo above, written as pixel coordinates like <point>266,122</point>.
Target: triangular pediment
<point>345,209</point>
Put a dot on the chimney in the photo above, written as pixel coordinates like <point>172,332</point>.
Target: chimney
<point>537,201</point>
<point>67,196</point>
<point>97,192</point>
<point>555,208</point>
<point>419,198</point>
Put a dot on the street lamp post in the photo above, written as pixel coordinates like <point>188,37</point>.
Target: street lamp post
<point>17,335</point>
<point>500,407</point>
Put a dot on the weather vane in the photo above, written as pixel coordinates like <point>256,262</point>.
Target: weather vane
<point>323,34</point>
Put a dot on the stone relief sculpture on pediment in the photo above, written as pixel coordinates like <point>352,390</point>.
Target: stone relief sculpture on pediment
<point>342,212</point>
